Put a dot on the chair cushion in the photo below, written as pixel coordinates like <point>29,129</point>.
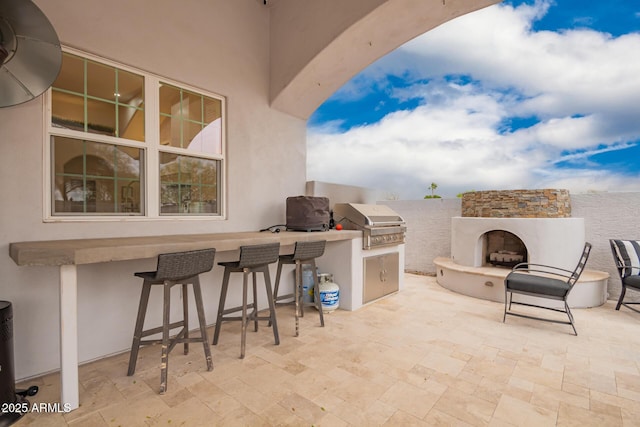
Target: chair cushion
<point>536,284</point>
<point>628,254</point>
<point>632,281</point>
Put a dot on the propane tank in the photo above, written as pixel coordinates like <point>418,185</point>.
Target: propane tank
<point>307,283</point>
<point>329,293</point>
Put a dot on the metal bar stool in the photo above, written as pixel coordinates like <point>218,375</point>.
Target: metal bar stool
<point>180,268</point>
<point>303,253</point>
<point>253,259</point>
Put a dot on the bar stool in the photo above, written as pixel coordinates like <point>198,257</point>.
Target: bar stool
<point>180,268</point>
<point>253,259</point>
<point>303,253</point>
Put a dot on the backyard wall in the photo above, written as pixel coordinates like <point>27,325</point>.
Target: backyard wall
<point>607,216</point>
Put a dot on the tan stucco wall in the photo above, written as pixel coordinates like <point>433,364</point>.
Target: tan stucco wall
<point>217,45</point>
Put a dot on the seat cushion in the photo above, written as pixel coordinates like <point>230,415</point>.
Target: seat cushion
<point>632,281</point>
<point>536,284</point>
<point>627,253</point>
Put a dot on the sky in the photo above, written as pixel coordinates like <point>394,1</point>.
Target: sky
<point>519,95</point>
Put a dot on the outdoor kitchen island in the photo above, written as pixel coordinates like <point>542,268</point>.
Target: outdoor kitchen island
<point>342,258</point>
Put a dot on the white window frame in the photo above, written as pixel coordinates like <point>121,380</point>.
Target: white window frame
<point>151,149</point>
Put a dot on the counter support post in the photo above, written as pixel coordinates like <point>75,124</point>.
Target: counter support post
<point>69,336</point>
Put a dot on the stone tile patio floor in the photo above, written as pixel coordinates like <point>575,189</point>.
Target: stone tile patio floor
<point>424,356</point>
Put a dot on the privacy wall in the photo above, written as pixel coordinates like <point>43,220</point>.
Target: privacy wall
<point>606,216</point>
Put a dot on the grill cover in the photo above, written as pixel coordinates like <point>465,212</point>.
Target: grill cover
<point>306,213</point>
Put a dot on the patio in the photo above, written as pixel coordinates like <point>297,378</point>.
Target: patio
<point>424,356</point>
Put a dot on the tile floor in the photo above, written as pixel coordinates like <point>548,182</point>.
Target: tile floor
<point>424,356</point>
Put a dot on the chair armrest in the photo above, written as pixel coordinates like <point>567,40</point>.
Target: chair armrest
<point>541,268</point>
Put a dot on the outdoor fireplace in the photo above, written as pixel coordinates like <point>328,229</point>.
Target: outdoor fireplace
<point>499,229</point>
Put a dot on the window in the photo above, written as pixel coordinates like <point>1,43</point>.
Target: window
<point>107,121</point>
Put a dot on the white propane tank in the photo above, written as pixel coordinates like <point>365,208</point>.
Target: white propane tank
<point>307,283</point>
<point>329,293</point>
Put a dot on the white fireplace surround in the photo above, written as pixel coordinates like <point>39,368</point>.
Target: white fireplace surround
<point>551,241</point>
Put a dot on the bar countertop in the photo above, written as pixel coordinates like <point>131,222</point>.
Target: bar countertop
<point>89,251</point>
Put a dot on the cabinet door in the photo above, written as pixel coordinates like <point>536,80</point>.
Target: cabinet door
<point>380,276</point>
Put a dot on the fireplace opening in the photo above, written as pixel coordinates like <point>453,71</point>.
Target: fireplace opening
<point>503,249</point>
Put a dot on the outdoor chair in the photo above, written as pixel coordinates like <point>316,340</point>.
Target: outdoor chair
<point>626,254</point>
<point>543,281</point>
<point>179,268</point>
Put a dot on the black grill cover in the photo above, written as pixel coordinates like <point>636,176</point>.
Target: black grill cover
<point>306,213</point>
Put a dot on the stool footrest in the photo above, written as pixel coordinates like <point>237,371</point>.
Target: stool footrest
<point>158,330</point>
<point>239,308</point>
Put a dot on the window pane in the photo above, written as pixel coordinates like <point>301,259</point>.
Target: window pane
<point>212,109</point>
<point>101,117</point>
<point>188,185</point>
<point>172,111</point>
<point>192,106</point>
<point>130,88</point>
<point>131,123</point>
<point>192,131</point>
<point>67,111</point>
<point>209,140</point>
<point>169,100</point>
<point>91,177</point>
<point>71,76</point>
<point>101,81</point>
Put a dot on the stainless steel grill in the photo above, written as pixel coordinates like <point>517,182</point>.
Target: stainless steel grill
<point>381,226</point>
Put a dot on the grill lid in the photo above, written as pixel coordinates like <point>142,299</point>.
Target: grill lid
<point>363,215</point>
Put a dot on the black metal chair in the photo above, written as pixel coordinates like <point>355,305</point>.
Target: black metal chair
<point>253,259</point>
<point>626,254</point>
<point>180,268</point>
<point>304,253</point>
<point>543,281</point>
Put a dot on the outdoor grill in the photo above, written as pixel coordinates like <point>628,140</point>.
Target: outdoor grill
<point>381,226</point>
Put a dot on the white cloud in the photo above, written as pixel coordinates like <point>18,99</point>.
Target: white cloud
<point>583,85</point>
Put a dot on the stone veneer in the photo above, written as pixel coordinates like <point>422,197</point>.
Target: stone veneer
<point>546,203</point>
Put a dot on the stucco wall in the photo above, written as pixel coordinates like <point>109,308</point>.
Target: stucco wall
<point>428,230</point>
<point>217,45</point>
<point>606,216</point>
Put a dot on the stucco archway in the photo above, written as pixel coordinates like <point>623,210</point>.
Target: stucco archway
<point>318,46</point>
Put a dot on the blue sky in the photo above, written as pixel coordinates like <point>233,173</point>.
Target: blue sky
<point>523,94</point>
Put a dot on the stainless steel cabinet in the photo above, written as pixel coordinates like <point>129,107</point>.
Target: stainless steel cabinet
<point>381,276</point>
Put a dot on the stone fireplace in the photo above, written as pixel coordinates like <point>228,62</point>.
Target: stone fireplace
<point>498,229</point>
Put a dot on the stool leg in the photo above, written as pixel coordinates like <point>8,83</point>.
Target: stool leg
<point>223,298</point>
<point>316,292</point>
<point>197,294</point>
<point>164,363</point>
<point>254,312</point>
<point>185,317</point>
<point>137,332</point>
<point>243,338</point>
<point>297,285</point>
<point>277,285</point>
<point>272,304</point>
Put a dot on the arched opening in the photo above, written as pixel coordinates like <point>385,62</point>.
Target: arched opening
<point>501,248</point>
